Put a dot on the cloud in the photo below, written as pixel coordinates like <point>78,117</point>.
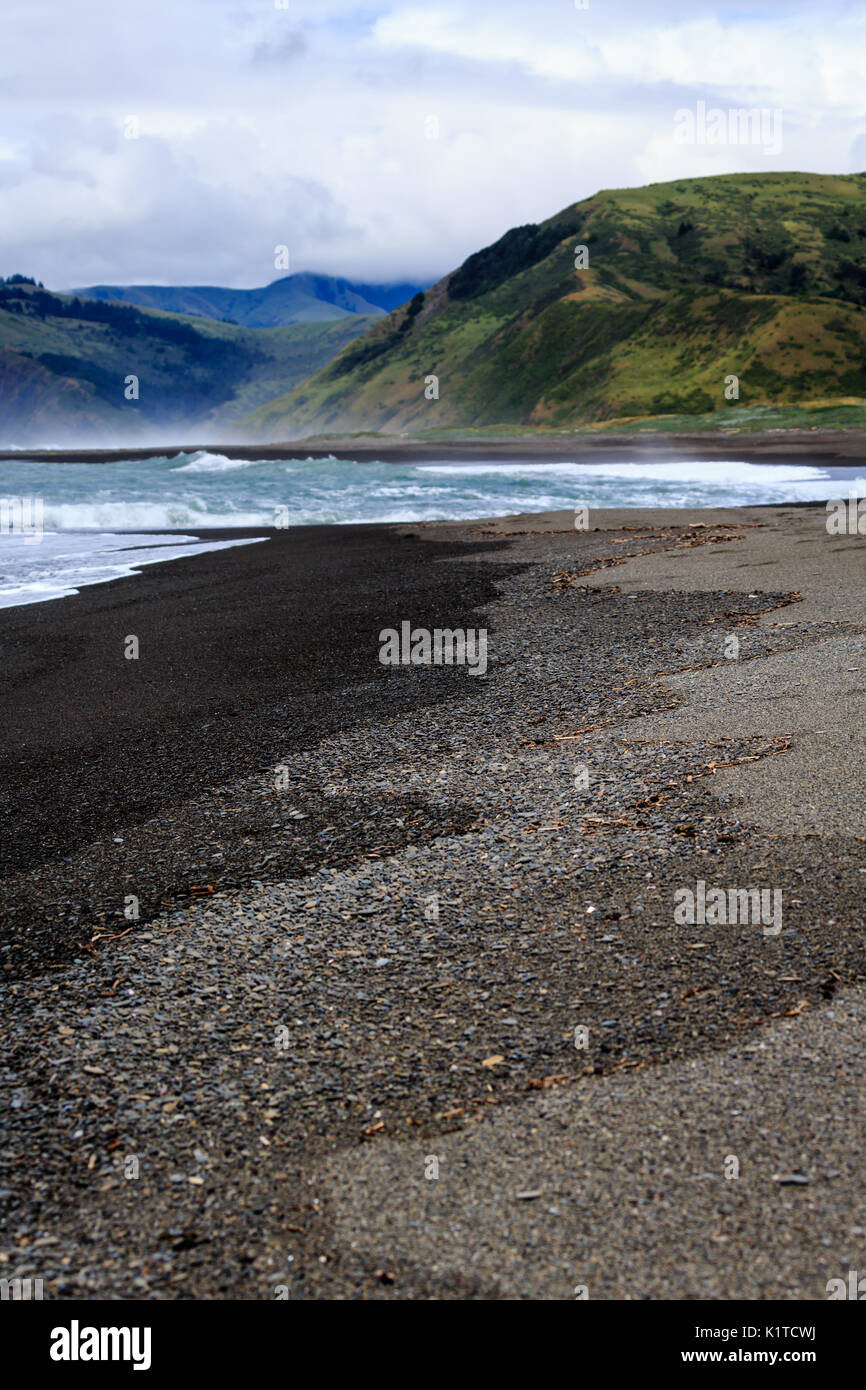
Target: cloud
<point>310,126</point>
<point>159,211</point>
<point>283,49</point>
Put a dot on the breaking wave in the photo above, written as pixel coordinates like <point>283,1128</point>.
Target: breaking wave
<point>200,491</point>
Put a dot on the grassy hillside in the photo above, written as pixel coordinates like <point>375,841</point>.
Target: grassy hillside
<point>761,276</point>
<point>303,298</point>
<point>64,363</point>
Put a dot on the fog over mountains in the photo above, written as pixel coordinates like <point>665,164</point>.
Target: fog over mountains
<point>145,363</point>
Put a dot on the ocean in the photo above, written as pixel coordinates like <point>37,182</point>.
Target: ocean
<point>95,516</point>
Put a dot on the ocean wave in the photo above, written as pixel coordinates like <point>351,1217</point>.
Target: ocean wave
<point>722,472</point>
<point>204,490</point>
<point>204,462</point>
<point>150,516</point>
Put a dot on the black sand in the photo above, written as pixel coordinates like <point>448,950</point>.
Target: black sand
<point>265,1164</point>
<point>245,655</point>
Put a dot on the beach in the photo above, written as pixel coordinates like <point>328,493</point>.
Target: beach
<point>361,981</point>
<point>816,445</point>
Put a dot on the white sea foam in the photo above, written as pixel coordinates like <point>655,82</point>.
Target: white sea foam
<point>204,462</point>
<point>724,472</point>
<point>212,463</point>
<point>62,563</point>
<point>150,516</point>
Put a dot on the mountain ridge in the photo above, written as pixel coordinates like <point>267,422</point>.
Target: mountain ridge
<point>632,303</point>
<point>305,297</point>
<point>98,371</point>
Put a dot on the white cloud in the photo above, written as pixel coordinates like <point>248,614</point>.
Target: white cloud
<point>307,125</point>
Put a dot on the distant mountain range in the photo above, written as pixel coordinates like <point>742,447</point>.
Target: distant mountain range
<point>66,359</point>
<point>84,371</point>
<point>635,303</point>
<point>293,299</point>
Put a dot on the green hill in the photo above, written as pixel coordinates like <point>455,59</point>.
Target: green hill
<point>758,276</point>
<point>64,363</point>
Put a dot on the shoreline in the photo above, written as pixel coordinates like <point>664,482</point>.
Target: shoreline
<point>428,906</point>
<point>821,447</point>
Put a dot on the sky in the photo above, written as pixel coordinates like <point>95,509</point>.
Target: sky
<point>183,141</point>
